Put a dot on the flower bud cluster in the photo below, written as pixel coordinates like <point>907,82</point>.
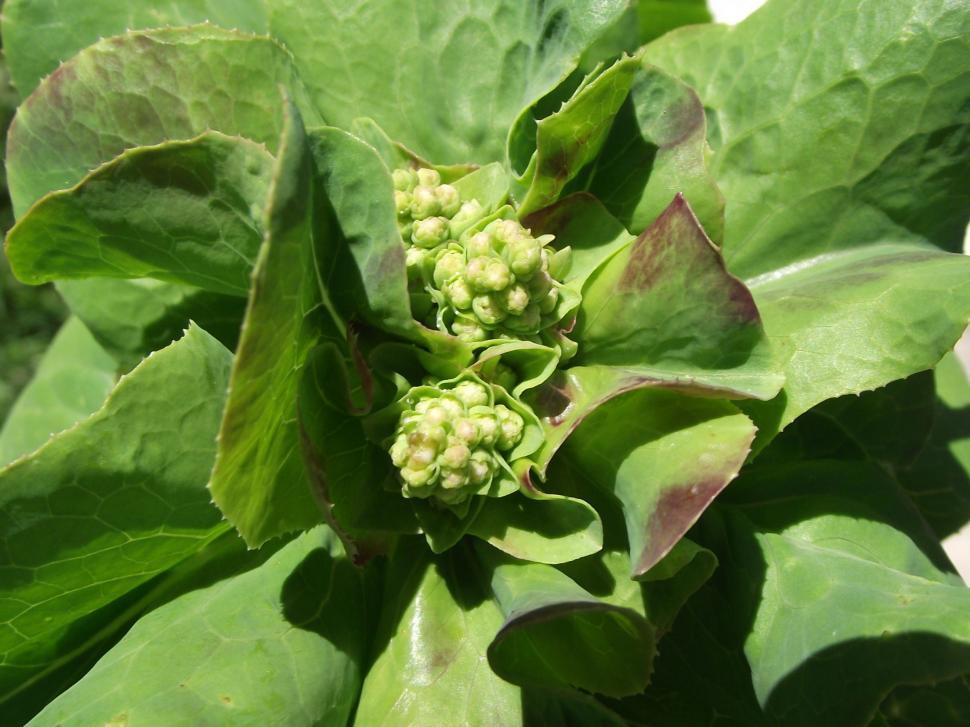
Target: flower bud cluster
<point>450,442</point>
<point>430,213</point>
<point>499,282</point>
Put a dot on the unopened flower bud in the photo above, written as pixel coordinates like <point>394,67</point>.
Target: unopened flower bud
<point>404,179</point>
<point>424,203</point>
<point>487,310</point>
<point>448,199</point>
<point>428,177</point>
<point>448,266</point>
<point>430,232</point>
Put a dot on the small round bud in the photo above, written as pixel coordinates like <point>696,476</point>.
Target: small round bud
<point>455,456</point>
<point>487,427</point>
<point>516,299</point>
<point>468,331</point>
<point>478,245</point>
<point>430,232</point>
<point>459,294</point>
<point>468,214</point>
<point>428,177</point>
<point>424,203</point>
<point>404,179</point>
<point>448,266</point>
<point>448,199</point>
<point>471,393</point>
<point>418,478</point>
<point>548,304</point>
<point>402,203</point>
<point>525,258</point>
<point>487,310</point>
<point>480,467</point>
<point>511,426</point>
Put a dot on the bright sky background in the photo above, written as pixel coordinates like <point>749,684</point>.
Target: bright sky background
<point>731,11</point>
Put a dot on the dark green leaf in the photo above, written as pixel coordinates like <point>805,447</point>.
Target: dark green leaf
<point>300,623</point>
<point>145,88</point>
<point>71,381</point>
<point>106,505</point>
<point>38,35</point>
<point>132,318</point>
<point>183,211</point>
<point>445,79</point>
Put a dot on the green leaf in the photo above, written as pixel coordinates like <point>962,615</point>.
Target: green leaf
<point>945,705</point>
<point>145,88</point>
<point>259,481</point>
<point>938,481</point>
<point>300,623</point>
<point>352,478</point>
<point>581,222</point>
<point>874,610</point>
<point>71,381</point>
<point>656,149</point>
<point>571,137</point>
<point>550,529</point>
<point>665,456</point>
<point>363,270</point>
<point>429,658</point>
<point>835,126</point>
<point>857,319</point>
<point>107,504</point>
<point>38,35</point>
<point>183,211</point>
<point>643,21</point>
<point>132,318</point>
<point>558,635</point>
<point>450,63</point>
<point>714,342</point>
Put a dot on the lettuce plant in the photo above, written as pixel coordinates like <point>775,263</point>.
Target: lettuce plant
<point>477,310</point>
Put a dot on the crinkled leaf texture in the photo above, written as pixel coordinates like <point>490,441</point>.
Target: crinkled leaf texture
<point>107,504</point>
<point>302,618</point>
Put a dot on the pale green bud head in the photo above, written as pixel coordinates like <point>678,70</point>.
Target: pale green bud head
<point>469,331</point>
<point>511,427</point>
<point>459,293</point>
<point>525,258</point>
<point>487,426</point>
<point>415,257</point>
<point>479,245</point>
<point>471,393</point>
<point>481,467</point>
<point>402,203</point>
<point>418,478</point>
<point>448,266</point>
<point>455,456</point>
<point>430,232</point>
<point>404,179</point>
<point>428,177</point>
<point>516,299</point>
<point>448,199</point>
<point>424,202</point>
<point>468,214</point>
<point>488,310</point>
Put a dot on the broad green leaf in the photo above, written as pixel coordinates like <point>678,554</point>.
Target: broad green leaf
<point>558,635</point>
<point>132,318</point>
<point>643,21</point>
<point>364,269</point>
<point>352,478</point>
<point>429,661</point>
<point>874,611</point>
<point>183,211</point>
<point>656,149</point>
<point>835,125</point>
<point>665,456</point>
<point>107,504</point>
<point>259,481</point>
<point>145,88</point>
<point>73,378</point>
<point>571,137</point>
<point>446,79</point>
<point>550,529</point>
<point>665,309</point>
<point>39,35</point>
<point>857,319</point>
<point>939,480</point>
<point>299,624</point>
